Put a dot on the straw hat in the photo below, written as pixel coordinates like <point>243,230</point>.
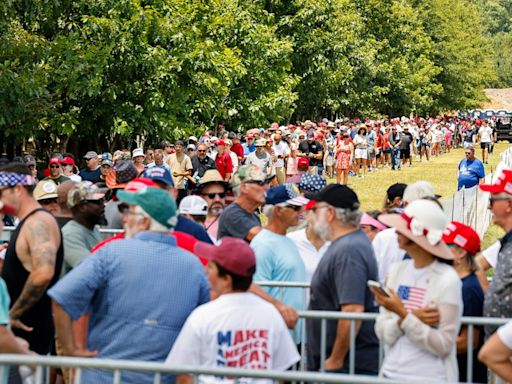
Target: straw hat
<point>422,222</point>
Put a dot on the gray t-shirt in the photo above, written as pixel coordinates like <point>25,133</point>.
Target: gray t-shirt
<point>78,241</point>
<point>341,278</point>
<point>237,222</point>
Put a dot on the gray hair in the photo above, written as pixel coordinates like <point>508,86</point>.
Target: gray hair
<point>155,226</point>
<point>348,217</point>
<point>267,210</point>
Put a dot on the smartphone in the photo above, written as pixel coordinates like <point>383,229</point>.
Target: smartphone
<point>380,287</point>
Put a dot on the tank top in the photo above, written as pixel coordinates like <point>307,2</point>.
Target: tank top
<point>40,315</point>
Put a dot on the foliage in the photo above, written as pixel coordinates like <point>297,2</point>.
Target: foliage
<point>106,72</point>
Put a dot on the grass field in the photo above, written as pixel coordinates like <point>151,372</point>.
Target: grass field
<point>441,172</point>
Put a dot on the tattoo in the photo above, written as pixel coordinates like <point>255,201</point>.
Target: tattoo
<point>42,248</point>
<point>43,253</point>
<point>29,296</point>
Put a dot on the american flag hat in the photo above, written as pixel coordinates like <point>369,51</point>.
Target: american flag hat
<point>423,222</point>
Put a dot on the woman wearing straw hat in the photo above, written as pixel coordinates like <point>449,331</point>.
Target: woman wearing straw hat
<point>420,319</point>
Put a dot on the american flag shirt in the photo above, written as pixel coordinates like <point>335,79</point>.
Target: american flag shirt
<point>412,297</point>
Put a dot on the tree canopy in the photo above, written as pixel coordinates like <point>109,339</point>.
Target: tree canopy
<point>106,71</point>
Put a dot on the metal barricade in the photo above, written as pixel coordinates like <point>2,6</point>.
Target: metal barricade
<point>104,233</point>
<point>160,369</point>
<point>324,316</point>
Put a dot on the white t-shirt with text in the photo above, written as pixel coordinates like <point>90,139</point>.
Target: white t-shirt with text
<point>237,330</point>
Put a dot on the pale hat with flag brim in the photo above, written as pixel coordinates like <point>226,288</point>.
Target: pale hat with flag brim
<point>423,222</point>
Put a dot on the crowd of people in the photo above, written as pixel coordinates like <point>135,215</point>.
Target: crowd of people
<point>201,222</point>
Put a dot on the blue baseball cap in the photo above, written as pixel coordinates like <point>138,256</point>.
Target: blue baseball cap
<point>159,174</point>
<point>285,194</point>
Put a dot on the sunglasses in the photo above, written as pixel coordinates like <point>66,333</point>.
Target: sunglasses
<point>47,201</point>
<point>201,150</point>
<point>54,166</point>
<point>96,202</point>
<point>123,209</point>
<point>258,182</point>
<point>468,153</point>
<point>296,208</point>
<point>212,195</point>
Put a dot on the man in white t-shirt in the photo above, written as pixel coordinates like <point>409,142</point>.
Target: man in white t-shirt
<point>485,139</point>
<point>282,151</point>
<point>238,329</point>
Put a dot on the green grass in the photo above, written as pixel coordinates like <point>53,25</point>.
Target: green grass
<point>441,172</point>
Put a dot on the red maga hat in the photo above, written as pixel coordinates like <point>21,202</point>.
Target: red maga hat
<point>462,236</point>
<point>502,185</point>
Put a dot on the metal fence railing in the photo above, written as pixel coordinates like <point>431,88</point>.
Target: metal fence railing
<point>470,322</point>
<point>325,316</point>
<point>40,363</point>
<point>104,233</point>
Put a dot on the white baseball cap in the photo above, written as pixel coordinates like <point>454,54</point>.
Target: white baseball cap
<point>138,152</point>
<point>193,205</point>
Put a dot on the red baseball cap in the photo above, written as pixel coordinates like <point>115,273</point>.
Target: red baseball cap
<point>231,253</point>
<point>462,236</point>
<point>68,161</point>
<point>54,160</point>
<point>220,142</point>
<point>503,183</point>
<point>7,209</point>
<point>136,184</point>
<point>303,162</point>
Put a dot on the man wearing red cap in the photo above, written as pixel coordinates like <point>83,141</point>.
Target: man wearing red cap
<point>56,171</point>
<point>238,329</point>
<point>498,300</point>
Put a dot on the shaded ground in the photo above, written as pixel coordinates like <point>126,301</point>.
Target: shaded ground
<point>498,99</point>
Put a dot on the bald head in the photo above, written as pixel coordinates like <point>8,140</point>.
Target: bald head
<point>62,196</point>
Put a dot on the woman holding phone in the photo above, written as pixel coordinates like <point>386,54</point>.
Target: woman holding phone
<point>420,321</point>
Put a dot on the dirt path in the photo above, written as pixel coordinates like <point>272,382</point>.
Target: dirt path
<point>498,99</point>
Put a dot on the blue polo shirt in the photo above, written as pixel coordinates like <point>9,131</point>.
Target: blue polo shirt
<point>470,173</point>
<point>248,148</point>
<point>139,292</point>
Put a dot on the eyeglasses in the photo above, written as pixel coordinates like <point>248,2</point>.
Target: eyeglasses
<point>317,207</point>
<point>212,195</point>
<point>86,159</point>
<point>201,150</point>
<point>67,165</point>
<point>468,153</point>
<point>54,166</point>
<point>48,201</point>
<point>122,208</point>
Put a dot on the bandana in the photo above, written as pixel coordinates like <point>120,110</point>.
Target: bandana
<point>12,179</point>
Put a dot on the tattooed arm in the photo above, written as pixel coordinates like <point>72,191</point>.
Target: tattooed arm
<point>42,237</point>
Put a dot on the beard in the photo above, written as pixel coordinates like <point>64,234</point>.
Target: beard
<point>216,210</point>
<point>322,228</point>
